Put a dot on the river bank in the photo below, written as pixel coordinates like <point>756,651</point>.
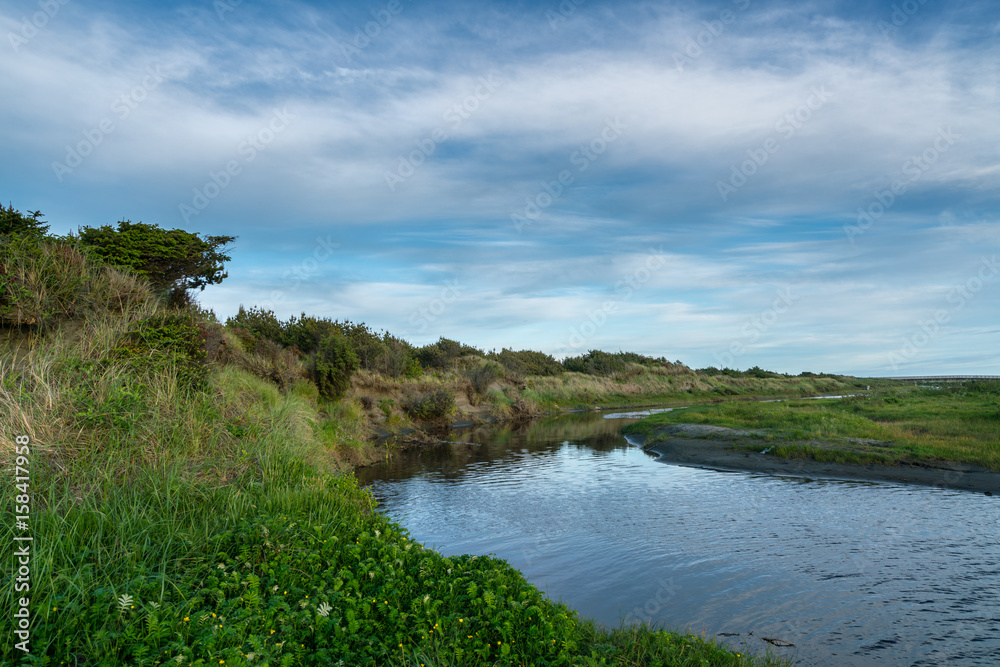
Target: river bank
<point>729,450</point>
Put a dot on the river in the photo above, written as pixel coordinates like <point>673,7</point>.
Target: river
<point>851,573</point>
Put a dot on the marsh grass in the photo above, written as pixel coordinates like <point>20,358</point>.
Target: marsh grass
<point>959,424</point>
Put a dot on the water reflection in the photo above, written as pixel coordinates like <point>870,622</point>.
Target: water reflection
<point>853,573</point>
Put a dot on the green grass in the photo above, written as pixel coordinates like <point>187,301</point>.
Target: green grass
<point>959,423</point>
<point>217,523</point>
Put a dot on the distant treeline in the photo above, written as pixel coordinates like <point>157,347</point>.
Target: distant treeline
<point>44,279</point>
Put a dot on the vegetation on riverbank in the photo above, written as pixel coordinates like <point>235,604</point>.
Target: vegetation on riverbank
<point>900,425</point>
<point>191,500</point>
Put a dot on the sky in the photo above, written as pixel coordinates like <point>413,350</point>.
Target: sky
<point>792,185</point>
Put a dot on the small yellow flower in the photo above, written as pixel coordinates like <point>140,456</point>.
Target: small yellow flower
<point>187,618</point>
<point>213,614</point>
<point>459,620</point>
<point>272,632</point>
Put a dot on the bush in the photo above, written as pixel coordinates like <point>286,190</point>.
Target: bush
<point>483,375</point>
<point>527,362</point>
<point>272,362</point>
<point>167,340</point>
<point>256,324</point>
<point>596,362</point>
<point>332,365</point>
<point>434,404</point>
<point>442,353</point>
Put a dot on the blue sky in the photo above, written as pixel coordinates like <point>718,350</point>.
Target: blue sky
<point>795,185</point>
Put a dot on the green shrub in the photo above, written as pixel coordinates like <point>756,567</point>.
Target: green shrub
<point>434,404</point>
<point>332,365</point>
<point>527,362</point>
<point>166,340</point>
<point>442,353</point>
<point>255,325</point>
<point>13,222</point>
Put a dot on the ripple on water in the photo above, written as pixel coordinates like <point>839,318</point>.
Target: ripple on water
<point>853,573</point>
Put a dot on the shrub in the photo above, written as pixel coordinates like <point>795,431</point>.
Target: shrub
<point>13,221</point>
<point>442,353</point>
<point>483,375</point>
<point>256,324</point>
<point>332,365</point>
<point>167,340</point>
<point>527,362</point>
<point>272,362</point>
<point>434,404</point>
<point>596,362</point>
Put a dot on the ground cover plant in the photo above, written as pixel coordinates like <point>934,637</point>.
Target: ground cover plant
<point>959,423</point>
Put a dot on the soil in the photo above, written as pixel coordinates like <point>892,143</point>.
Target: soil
<point>719,448</point>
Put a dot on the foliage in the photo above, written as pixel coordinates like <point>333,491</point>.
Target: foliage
<point>166,340</point>
<point>257,324</point>
<point>483,375</point>
<point>13,222</point>
<point>433,404</point>
<point>46,281</point>
<point>527,362</point>
<point>442,353</point>
<point>596,362</point>
<point>171,259</point>
<point>755,372</point>
<point>332,365</point>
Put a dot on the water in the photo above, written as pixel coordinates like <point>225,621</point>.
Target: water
<point>851,573</point>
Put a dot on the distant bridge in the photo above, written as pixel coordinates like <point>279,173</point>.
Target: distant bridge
<point>941,378</point>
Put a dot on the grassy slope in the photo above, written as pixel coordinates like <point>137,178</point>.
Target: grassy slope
<point>960,424</point>
<point>202,526</point>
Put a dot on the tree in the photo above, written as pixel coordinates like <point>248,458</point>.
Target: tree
<point>332,365</point>
<point>13,221</point>
<point>172,259</point>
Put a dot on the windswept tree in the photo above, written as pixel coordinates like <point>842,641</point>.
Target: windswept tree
<point>172,259</point>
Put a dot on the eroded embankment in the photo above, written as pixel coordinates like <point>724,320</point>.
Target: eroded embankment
<point>721,448</point>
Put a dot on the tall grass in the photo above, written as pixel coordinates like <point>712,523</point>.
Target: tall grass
<point>212,523</point>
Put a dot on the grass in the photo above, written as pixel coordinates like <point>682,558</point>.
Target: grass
<point>217,523</point>
<point>959,423</point>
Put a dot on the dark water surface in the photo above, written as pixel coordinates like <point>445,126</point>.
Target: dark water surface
<point>852,573</point>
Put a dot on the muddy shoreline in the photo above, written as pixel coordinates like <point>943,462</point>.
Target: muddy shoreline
<point>718,450</point>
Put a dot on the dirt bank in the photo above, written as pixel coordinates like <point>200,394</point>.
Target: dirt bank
<point>719,448</point>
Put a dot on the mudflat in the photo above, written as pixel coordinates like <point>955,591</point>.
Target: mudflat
<point>720,448</point>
